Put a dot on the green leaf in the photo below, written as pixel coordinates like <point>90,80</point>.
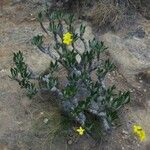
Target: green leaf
<point>82,30</point>
<point>21,69</point>
<point>112,115</point>
<point>101,72</point>
<point>97,46</point>
<point>126,96</point>
<point>73,78</point>
<point>52,27</point>
<point>59,15</point>
<point>105,68</point>
<point>14,72</point>
<point>75,37</point>
<point>55,28</point>
<point>70,58</point>
<point>18,57</point>
<point>69,91</point>
<point>123,98</point>
<point>109,66</point>
<point>70,19</point>
<point>54,66</point>
<point>40,17</point>
<point>37,40</point>
<point>31,90</point>
<point>52,82</point>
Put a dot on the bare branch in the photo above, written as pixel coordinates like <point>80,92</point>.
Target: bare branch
<point>42,26</point>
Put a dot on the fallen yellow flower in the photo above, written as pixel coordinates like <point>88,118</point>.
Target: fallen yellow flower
<point>80,131</point>
<point>137,129</point>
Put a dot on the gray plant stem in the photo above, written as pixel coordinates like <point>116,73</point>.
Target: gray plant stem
<point>106,124</point>
<point>67,106</point>
<point>33,75</point>
<point>94,66</point>
<point>97,109</point>
<point>102,117</point>
<point>58,91</point>
<point>47,51</point>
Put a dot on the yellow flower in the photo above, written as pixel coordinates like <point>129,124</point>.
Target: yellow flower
<point>139,132</point>
<point>67,38</point>
<point>80,131</point>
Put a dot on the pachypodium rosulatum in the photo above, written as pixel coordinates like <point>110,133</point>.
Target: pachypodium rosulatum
<point>81,94</point>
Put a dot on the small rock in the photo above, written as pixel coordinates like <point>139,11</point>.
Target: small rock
<point>45,120</point>
<point>19,122</point>
<point>145,90</point>
<point>131,90</point>
<point>125,132</point>
<point>70,142</point>
<point>138,145</point>
<point>113,72</point>
<point>41,113</point>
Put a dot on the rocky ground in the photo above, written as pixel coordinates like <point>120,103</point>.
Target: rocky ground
<point>23,123</point>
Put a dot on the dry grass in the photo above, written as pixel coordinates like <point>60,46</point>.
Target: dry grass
<point>105,15</point>
<point>102,15</point>
<point>143,6</point>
